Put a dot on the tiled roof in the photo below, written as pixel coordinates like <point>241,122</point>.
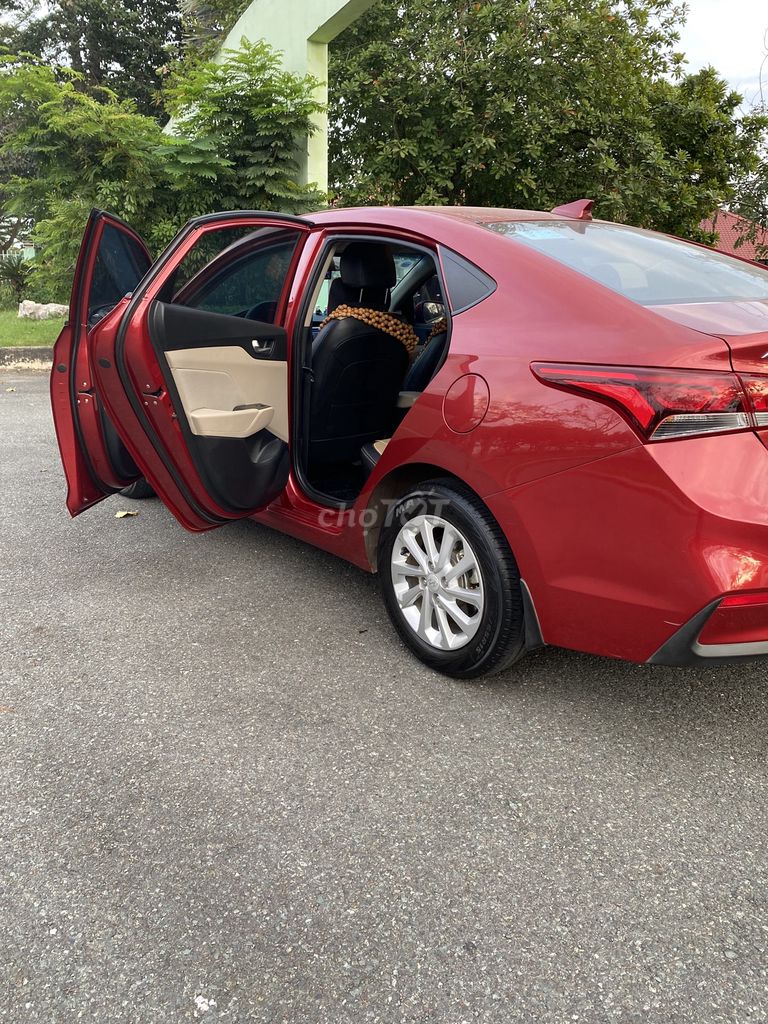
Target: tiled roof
<point>730,227</point>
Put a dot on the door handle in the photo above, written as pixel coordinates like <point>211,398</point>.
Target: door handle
<point>262,348</point>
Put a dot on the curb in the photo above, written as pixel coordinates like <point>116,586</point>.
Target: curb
<point>27,357</point>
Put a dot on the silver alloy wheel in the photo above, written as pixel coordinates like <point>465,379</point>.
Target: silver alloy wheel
<point>437,582</point>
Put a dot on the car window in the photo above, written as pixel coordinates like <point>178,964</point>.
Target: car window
<point>121,262</point>
<point>404,261</point>
<point>428,303</point>
<point>237,271</point>
<point>649,268</point>
<point>467,284</point>
<point>321,306</point>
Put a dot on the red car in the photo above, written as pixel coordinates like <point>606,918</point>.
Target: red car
<point>536,427</point>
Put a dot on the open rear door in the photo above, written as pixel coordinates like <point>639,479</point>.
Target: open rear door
<point>196,377</point>
<point>112,261</point>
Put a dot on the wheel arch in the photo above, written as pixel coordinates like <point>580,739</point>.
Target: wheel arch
<point>398,482</point>
<point>393,486</point>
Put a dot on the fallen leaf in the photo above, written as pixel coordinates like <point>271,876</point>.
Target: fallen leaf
<point>4,709</point>
<point>123,512</point>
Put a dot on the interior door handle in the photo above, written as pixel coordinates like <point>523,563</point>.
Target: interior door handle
<point>262,348</point>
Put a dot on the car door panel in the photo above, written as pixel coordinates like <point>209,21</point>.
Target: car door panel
<point>228,379</point>
<point>94,459</point>
<point>173,327</point>
<point>201,397</point>
<point>232,373</point>
<point>146,424</point>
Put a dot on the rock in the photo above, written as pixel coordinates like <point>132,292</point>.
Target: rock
<point>42,310</point>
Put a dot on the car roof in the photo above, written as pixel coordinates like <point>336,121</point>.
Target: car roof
<point>487,214</point>
<point>435,220</point>
<point>472,214</point>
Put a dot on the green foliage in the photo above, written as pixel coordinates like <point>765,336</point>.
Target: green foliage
<point>7,298</point>
<point>119,44</point>
<point>15,272</point>
<point>85,153</point>
<point>508,103</point>
<point>206,23</point>
<point>251,112</point>
<point>751,200</point>
<point>233,147</point>
<point>708,147</point>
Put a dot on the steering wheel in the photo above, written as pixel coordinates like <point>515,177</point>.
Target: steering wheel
<point>263,311</point>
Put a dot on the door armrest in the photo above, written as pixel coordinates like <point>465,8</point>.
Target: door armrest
<point>241,422</point>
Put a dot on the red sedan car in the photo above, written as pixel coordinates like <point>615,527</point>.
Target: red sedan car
<point>536,427</point>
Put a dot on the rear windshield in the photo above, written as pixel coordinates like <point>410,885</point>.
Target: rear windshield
<point>648,268</point>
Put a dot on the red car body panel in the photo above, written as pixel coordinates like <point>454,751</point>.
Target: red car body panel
<point>620,542</point>
<point>76,405</point>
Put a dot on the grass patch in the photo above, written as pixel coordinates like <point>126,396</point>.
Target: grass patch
<point>14,331</point>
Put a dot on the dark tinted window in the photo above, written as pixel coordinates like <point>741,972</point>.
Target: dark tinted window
<point>650,268</point>
<point>466,284</point>
<point>121,262</point>
<point>237,271</point>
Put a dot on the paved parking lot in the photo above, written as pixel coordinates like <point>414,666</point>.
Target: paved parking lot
<point>228,794</point>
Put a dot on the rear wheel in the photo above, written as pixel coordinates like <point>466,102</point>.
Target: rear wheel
<point>138,490</point>
<point>451,584</point>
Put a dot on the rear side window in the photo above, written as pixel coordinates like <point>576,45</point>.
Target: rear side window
<point>120,264</point>
<point>649,268</point>
<point>466,284</point>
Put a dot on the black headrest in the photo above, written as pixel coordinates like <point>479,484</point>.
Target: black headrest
<point>367,265</point>
<point>340,294</point>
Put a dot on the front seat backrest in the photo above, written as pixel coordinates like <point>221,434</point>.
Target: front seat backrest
<point>424,366</point>
<point>357,369</point>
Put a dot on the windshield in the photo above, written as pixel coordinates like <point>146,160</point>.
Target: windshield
<point>648,268</point>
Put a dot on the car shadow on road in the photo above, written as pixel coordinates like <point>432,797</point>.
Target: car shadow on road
<point>724,707</point>
<point>731,698</point>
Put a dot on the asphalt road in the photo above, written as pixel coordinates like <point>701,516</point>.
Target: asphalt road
<point>227,793</point>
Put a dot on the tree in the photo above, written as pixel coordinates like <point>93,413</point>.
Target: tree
<point>234,146</point>
<point>254,115</point>
<point>206,23</point>
<point>85,153</point>
<point>751,199</point>
<point>513,103</point>
<point>122,45</point>
<point>708,145</point>
<point>15,272</point>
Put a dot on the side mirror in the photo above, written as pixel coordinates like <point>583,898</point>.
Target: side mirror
<point>429,312</point>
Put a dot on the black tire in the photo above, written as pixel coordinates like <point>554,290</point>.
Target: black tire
<point>499,639</point>
<point>138,490</point>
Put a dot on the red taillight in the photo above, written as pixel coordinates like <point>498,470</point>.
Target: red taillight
<point>757,392</point>
<point>666,404</point>
<point>750,600</point>
<point>738,619</point>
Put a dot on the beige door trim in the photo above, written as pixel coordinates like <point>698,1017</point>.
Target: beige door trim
<point>217,385</point>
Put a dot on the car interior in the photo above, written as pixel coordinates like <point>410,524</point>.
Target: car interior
<point>358,379</point>
<point>374,334</point>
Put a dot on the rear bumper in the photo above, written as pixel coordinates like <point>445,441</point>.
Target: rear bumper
<point>685,648</point>
<point>630,556</point>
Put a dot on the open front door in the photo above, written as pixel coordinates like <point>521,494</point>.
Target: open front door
<point>112,261</point>
<point>196,376</point>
